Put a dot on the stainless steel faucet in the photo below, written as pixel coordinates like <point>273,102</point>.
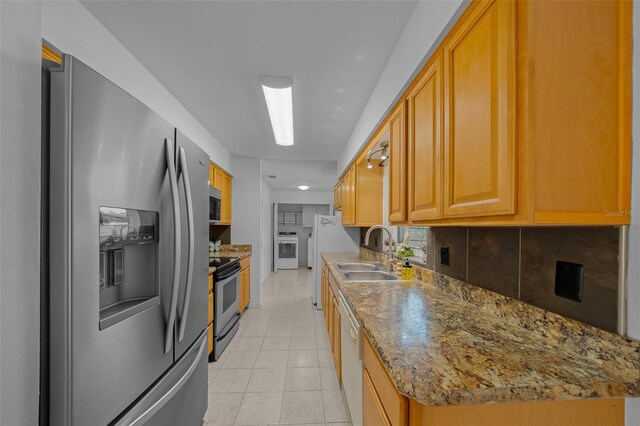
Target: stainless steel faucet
<point>366,241</point>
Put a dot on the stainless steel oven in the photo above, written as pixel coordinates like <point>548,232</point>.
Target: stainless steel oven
<point>226,319</point>
<point>214,205</point>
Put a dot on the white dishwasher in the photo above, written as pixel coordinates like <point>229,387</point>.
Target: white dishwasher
<point>351,352</point>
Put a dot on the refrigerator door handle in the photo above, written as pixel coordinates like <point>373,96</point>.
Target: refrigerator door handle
<point>182,158</point>
<point>173,183</point>
<point>138,417</point>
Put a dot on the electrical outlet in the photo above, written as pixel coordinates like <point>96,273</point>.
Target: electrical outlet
<point>569,280</point>
<point>444,256</point>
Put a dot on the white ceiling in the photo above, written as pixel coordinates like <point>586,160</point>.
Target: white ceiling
<point>318,175</point>
<point>210,54</point>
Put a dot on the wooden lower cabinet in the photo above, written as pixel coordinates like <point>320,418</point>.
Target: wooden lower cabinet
<point>331,308</point>
<point>336,345</point>
<point>582,412</point>
<point>373,413</point>
<point>392,402</point>
<point>245,283</point>
<point>382,404</point>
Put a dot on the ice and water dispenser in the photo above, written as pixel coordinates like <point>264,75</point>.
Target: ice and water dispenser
<point>128,263</point>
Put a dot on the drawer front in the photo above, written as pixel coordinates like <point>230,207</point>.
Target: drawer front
<point>394,404</point>
<point>372,412</point>
<point>245,263</point>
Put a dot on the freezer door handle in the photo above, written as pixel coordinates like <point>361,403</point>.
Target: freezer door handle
<point>173,184</point>
<point>182,158</point>
<point>167,386</point>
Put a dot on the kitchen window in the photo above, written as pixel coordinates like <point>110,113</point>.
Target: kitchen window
<point>417,235</point>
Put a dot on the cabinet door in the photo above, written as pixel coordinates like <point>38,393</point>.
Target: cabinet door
<point>247,289</point>
<point>218,178</point>
<point>242,286</point>
<point>581,110</point>
<point>211,173</point>
<point>330,321</point>
<point>397,167</point>
<point>210,301</point>
<point>479,114</point>
<point>308,216</point>
<point>424,110</point>
<point>349,197</point>
<point>337,197</point>
<point>352,195</point>
<point>372,411</point>
<point>368,209</point>
<point>337,333</point>
<point>225,214</point>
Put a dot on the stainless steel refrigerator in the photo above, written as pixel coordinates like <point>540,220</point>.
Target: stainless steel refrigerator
<point>127,250</point>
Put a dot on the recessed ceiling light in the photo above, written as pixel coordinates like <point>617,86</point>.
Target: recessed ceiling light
<point>303,187</point>
<point>278,94</point>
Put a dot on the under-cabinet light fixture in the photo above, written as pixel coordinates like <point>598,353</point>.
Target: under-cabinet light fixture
<point>278,94</point>
<point>303,187</point>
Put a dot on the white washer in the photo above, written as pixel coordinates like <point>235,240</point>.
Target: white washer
<point>287,250</point>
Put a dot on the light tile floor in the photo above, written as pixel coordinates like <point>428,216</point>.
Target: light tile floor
<point>278,369</point>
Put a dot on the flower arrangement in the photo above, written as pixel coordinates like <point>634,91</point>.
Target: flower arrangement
<point>424,247</point>
<point>405,250</point>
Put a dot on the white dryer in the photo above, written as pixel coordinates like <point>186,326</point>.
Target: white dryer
<point>287,250</point>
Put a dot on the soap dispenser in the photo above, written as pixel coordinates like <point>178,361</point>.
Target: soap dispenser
<point>407,271</point>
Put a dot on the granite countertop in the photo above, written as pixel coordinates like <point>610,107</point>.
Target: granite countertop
<point>442,350</point>
<point>227,250</point>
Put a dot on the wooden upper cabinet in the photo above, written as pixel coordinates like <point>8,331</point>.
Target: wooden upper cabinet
<point>397,166</point>
<point>424,110</point>
<point>368,194</point>
<point>348,192</point>
<point>581,98</point>
<point>479,113</point>
<point>337,196</point>
<point>222,181</point>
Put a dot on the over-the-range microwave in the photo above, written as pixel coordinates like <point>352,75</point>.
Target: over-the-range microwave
<point>214,205</point>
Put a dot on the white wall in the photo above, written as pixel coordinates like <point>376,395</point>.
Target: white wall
<point>71,28</point>
<point>266,240</point>
<point>302,197</point>
<point>427,25</point>
<point>633,280</point>
<point>246,217</point>
<point>20,78</point>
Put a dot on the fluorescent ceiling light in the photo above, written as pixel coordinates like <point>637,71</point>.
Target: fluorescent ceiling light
<point>303,187</point>
<point>277,93</point>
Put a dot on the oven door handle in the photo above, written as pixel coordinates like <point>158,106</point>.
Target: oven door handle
<point>182,159</point>
<point>173,184</point>
<point>230,326</point>
<point>227,273</point>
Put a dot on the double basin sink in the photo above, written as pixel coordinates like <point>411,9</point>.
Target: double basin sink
<point>354,272</point>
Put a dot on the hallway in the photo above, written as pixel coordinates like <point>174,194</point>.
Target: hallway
<point>278,369</point>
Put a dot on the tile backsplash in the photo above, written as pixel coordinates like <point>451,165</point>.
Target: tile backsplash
<point>521,263</point>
